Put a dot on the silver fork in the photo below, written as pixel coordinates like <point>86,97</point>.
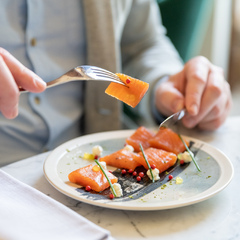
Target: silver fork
<point>173,119</point>
<point>84,72</point>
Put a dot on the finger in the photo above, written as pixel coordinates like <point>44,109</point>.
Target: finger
<point>214,123</point>
<point>22,75</point>
<point>168,99</point>
<point>215,97</point>
<point>222,107</point>
<point>197,71</point>
<point>9,93</point>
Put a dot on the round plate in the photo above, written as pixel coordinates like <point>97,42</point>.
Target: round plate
<point>216,173</point>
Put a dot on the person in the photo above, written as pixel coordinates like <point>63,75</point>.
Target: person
<point>41,40</point>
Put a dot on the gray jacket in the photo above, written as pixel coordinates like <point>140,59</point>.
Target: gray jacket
<point>125,36</point>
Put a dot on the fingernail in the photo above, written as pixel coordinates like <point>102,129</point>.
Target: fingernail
<point>11,113</point>
<point>193,109</point>
<point>39,82</point>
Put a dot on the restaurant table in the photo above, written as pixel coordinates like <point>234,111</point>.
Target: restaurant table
<point>215,218</point>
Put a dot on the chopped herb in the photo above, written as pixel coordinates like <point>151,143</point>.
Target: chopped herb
<point>149,167</point>
<point>198,168</point>
<point>110,183</point>
<point>163,186</point>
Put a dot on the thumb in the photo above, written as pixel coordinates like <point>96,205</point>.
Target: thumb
<point>23,77</point>
<point>169,99</point>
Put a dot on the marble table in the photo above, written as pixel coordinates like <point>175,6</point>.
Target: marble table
<point>216,218</point>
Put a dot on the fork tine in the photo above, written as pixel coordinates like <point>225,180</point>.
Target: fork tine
<point>108,75</point>
<point>103,73</point>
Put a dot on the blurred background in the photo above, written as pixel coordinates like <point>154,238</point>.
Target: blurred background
<point>210,28</point>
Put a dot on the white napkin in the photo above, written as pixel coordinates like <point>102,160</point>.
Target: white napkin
<point>26,213</point>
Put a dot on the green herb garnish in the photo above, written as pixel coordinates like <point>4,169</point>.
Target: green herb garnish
<point>110,183</point>
<point>150,169</point>
<point>198,168</point>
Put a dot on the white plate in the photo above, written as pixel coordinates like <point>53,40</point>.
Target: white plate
<point>216,173</point>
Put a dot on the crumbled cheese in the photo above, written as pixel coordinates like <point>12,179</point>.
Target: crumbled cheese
<point>155,172</point>
<point>97,150</point>
<point>129,148</point>
<point>104,166</point>
<point>185,156</point>
<point>118,189</point>
<point>179,180</point>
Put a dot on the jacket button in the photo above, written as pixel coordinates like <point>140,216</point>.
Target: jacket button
<point>33,42</point>
<point>37,100</point>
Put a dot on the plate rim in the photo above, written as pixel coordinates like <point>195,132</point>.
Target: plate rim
<point>208,193</point>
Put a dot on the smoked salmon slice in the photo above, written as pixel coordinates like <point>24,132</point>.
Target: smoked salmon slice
<point>88,176</point>
<point>122,159</point>
<point>130,94</point>
<point>168,140</point>
<point>141,135</point>
<point>160,158</point>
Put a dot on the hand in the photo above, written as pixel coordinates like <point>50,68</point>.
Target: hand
<point>12,75</point>
<point>201,88</point>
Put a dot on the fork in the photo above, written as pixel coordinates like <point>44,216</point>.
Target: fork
<point>171,121</point>
<point>81,73</point>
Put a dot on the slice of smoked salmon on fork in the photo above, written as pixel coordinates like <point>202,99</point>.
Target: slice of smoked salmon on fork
<point>131,93</point>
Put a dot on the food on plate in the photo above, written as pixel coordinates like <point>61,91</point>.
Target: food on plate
<point>161,159</point>
<point>122,158</point>
<point>168,140</point>
<point>131,93</point>
<point>129,148</point>
<point>179,180</point>
<point>154,175</point>
<point>141,135</point>
<point>185,156</point>
<point>118,189</point>
<point>146,155</point>
<point>91,175</point>
<point>97,151</point>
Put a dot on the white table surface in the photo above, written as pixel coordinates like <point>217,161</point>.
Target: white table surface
<point>216,218</point>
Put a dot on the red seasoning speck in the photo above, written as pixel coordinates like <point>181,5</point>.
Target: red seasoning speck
<point>134,173</point>
<point>182,162</point>
<point>88,188</point>
<point>153,166</point>
<point>111,196</point>
<point>170,177</point>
